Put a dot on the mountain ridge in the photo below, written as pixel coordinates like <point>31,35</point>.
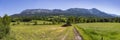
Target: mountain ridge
<point>68,12</point>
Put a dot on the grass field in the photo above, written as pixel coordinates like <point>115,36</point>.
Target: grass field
<point>39,32</point>
<point>89,31</point>
<point>99,31</point>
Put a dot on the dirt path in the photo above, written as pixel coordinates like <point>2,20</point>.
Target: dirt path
<point>77,34</point>
<point>64,36</point>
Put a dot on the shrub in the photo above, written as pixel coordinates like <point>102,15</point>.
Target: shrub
<point>35,23</point>
<point>67,24</point>
<point>26,20</point>
<point>4,26</point>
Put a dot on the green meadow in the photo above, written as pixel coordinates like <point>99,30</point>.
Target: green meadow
<point>99,31</point>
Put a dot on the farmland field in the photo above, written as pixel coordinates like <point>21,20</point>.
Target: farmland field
<point>99,31</point>
<point>40,32</point>
<point>88,31</point>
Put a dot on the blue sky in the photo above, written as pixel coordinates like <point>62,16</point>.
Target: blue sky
<point>16,6</point>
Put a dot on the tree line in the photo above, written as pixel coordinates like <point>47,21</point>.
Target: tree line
<point>93,19</point>
<point>71,19</point>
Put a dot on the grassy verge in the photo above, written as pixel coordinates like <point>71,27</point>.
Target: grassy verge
<point>83,33</point>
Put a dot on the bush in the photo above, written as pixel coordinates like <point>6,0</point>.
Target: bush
<point>4,30</point>
<point>67,24</point>
<point>26,20</point>
<point>4,26</point>
<point>35,23</point>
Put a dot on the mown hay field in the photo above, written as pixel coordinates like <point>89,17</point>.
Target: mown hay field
<point>39,32</point>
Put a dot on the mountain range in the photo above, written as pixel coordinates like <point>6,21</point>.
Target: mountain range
<point>68,12</point>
